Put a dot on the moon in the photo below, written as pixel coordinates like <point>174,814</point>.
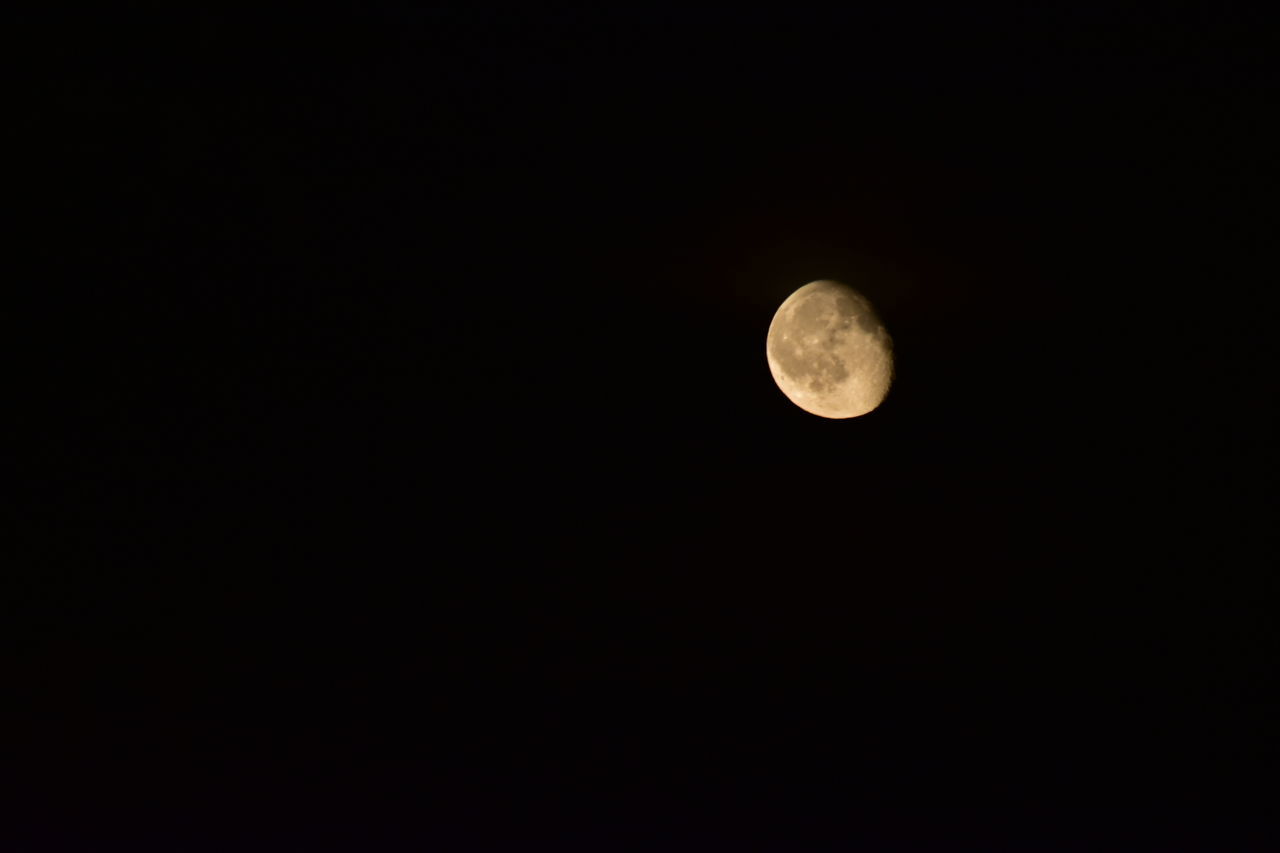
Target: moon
<point>829,352</point>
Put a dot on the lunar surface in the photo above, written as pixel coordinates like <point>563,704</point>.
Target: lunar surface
<point>829,352</point>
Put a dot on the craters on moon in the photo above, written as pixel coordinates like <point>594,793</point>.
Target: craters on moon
<point>828,351</point>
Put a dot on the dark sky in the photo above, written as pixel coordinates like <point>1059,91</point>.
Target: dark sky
<point>413,477</point>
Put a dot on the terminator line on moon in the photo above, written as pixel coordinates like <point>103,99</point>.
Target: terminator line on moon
<point>829,352</point>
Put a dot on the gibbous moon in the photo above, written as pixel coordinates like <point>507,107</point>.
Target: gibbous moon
<point>829,352</point>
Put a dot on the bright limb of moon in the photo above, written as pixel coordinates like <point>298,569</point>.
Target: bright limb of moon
<point>829,352</point>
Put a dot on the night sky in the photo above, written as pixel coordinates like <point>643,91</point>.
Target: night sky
<point>407,472</point>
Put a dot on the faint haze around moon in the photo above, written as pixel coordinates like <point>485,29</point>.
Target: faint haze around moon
<point>829,352</point>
